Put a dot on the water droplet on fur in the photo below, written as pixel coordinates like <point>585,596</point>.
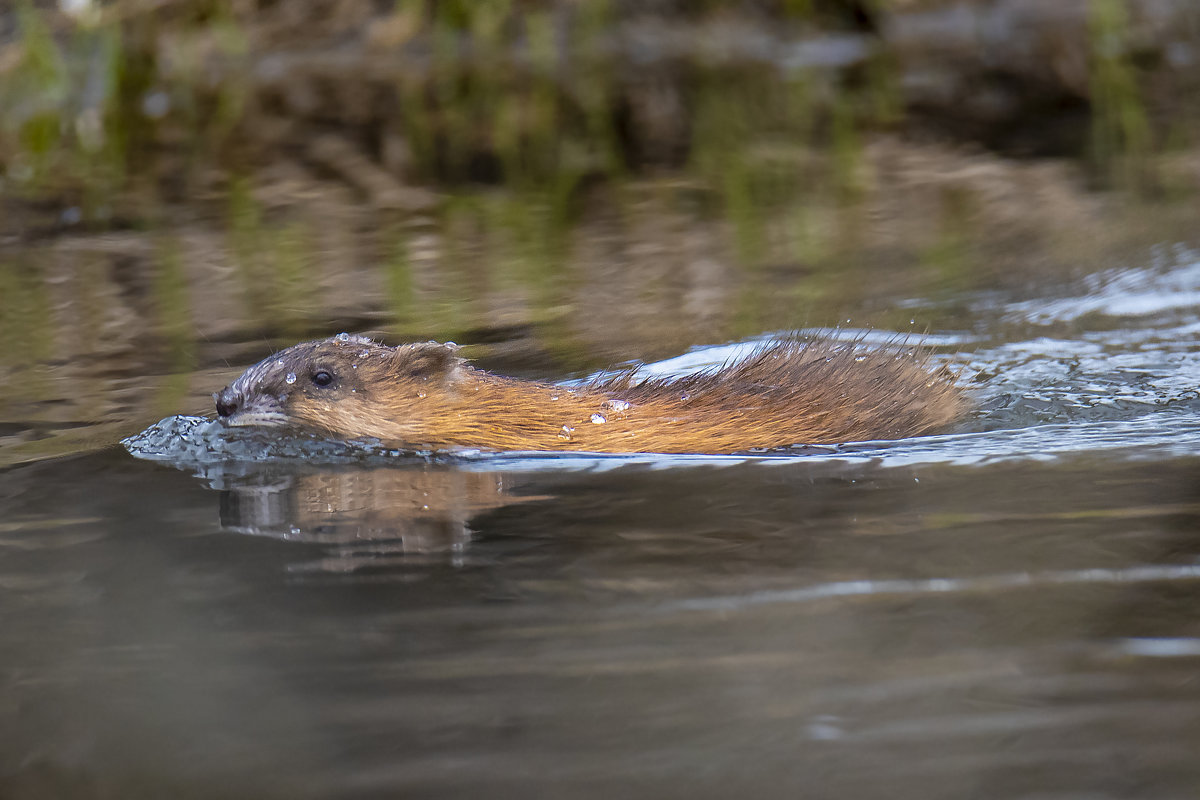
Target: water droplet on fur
<point>279,363</point>
<point>354,366</point>
<point>684,396</point>
<point>860,359</point>
<point>364,353</point>
<point>290,379</point>
<point>619,406</point>
<point>421,395</point>
<point>343,337</point>
<point>553,397</point>
<point>599,419</point>
<point>566,432</point>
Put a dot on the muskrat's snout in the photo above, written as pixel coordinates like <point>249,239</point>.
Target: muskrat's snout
<point>228,401</point>
<point>244,402</point>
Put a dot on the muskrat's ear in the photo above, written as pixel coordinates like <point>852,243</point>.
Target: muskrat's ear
<point>428,358</point>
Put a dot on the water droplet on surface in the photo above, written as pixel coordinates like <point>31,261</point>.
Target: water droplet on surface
<point>566,432</point>
<point>599,419</point>
<point>290,379</point>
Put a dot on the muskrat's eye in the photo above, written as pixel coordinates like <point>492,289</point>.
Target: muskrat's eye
<point>322,378</point>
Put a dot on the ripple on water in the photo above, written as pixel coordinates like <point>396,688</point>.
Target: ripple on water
<point>186,440</point>
<point>1165,288</point>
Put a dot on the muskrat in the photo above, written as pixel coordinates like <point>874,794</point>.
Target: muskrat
<point>788,392</point>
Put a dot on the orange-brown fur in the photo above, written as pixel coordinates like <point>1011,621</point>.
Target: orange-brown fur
<point>424,396</point>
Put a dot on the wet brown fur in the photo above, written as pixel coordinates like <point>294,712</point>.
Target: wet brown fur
<point>424,396</point>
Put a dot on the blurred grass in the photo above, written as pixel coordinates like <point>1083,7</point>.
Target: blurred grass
<point>517,95</point>
<point>521,95</point>
<point>1121,136</point>
<point>515,113</point>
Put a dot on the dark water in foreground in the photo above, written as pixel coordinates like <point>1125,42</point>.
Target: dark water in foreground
<point>1004,611</point>
<point>832,630</point>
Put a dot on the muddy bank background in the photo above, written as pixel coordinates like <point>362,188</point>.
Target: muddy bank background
<point>559,186</point>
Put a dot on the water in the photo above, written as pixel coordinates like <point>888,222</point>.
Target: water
<point>1004,610</point>
<point>841,629</point>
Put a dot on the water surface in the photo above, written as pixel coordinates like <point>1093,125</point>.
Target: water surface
<point>1004,610</point>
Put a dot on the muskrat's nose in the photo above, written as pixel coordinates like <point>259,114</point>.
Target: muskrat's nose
<point>227,401</point>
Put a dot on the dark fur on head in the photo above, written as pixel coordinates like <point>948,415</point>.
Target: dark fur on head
<point>306,383</point>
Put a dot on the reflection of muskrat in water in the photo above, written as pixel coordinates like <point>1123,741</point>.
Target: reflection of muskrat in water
<point>425,396</point>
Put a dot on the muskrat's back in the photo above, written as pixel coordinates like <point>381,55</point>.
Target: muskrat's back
<point>790,392</point>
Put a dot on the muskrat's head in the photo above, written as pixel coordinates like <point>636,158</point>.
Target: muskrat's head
<point>342,385</point>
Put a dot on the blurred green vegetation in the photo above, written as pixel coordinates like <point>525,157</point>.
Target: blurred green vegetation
<point>1121,136</point>
<point>515,112</point>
